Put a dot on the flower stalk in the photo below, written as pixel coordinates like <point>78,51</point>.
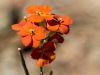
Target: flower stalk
<point>39,30</point>
<point>23,62</point>
<point>41,70</point>
<point>51,72</point>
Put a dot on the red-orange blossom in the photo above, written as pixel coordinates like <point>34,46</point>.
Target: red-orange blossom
<point>34,28</point>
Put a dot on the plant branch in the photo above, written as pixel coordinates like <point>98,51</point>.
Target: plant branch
<point>41,70</point>
<point>23,61</point>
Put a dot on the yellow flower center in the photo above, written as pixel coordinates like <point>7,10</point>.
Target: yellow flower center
<point>40,13</point>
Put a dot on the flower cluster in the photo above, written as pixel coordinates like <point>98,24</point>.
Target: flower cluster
<point>40,29</point>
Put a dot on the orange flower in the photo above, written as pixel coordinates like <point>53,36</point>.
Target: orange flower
<point>39,13</point>
<point>44,56</point>
<point>17,27</point>
<point>42,61</point>
<point>32,35</point>
<point>62,23</point>
<point>45,59</point>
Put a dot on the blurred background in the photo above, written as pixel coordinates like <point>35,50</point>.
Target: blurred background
<point>78,55</point>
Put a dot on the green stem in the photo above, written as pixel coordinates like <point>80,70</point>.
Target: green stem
<point>41,47</point>
<point>51,73</point>
<point>41,70</point>
<point>23,61</point>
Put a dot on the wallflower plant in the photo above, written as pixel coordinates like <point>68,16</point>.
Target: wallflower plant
<point>39,30</point>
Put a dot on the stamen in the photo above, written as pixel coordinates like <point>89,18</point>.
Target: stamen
<point>32,31</point>
<point>25,18</point>
<point>60,19</point>
<point>37,12</point>
<point>40,13</point>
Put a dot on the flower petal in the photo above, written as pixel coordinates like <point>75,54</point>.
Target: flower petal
<point>25,30</point>
<point>51,56</point>
<point>49,46</point>
<point>32,9</point>
<point>26,40</point>
<point>52,25</point>
<point>36,18</point>
<point>28,26</point>
<point>36,53</point>
<point>66,20</point>
<point>64,29</point>
<point>58,37</point>
<point>45,9</point>
<point>40,33</point>
<point>35,43</point>
<point>17,27</point>
<point>42,61</point>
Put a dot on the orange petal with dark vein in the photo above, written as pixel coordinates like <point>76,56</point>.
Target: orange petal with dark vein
<point>66,20</point>
<point>52,25</point>
<point>64,29</point>
<point>52,28</point>
<point>51,56</point>
<point>49,17</point>
<point>42,61</point>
